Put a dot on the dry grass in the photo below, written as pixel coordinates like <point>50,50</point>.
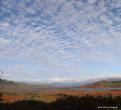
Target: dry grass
<point>54,95</point>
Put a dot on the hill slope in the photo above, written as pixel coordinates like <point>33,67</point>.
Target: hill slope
<point>21,87</point>
<point>10,86</point>
<point>111,83</point>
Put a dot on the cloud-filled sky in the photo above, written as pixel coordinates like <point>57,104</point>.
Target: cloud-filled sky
<point>60,40</point>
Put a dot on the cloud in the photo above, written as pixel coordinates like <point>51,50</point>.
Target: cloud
<point>18,72</point>
<point>4,41</point>
<point>61,32</point>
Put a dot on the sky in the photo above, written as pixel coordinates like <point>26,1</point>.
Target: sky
<point>60,40</point>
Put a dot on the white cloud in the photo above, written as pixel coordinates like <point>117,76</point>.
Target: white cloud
<point>4,41</point>
<point>59,32</point>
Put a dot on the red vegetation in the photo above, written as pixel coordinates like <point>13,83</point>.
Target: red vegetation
<point>54,95</point>
<point>12,98</point>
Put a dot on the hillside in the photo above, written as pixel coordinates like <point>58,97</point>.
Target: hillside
<point>13,87</point>
<point>110,83</point>
<point>21,87</point>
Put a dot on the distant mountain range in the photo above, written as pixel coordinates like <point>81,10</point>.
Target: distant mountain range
<point>11,86</point>
<point>106,83</point>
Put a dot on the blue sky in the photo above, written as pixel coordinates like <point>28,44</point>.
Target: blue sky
<point>60,40</point>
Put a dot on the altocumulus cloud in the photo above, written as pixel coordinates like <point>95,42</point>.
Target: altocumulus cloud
<point>61,31</point>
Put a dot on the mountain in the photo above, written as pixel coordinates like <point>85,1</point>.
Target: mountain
<point>5,82</point>
<point>106,83</point>
<point>21,87</point>
<point>11,86</point>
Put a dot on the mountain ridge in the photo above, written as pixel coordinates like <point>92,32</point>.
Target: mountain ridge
<point>105,83</point>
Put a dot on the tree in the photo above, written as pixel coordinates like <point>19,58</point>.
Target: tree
<point>1,93</point>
